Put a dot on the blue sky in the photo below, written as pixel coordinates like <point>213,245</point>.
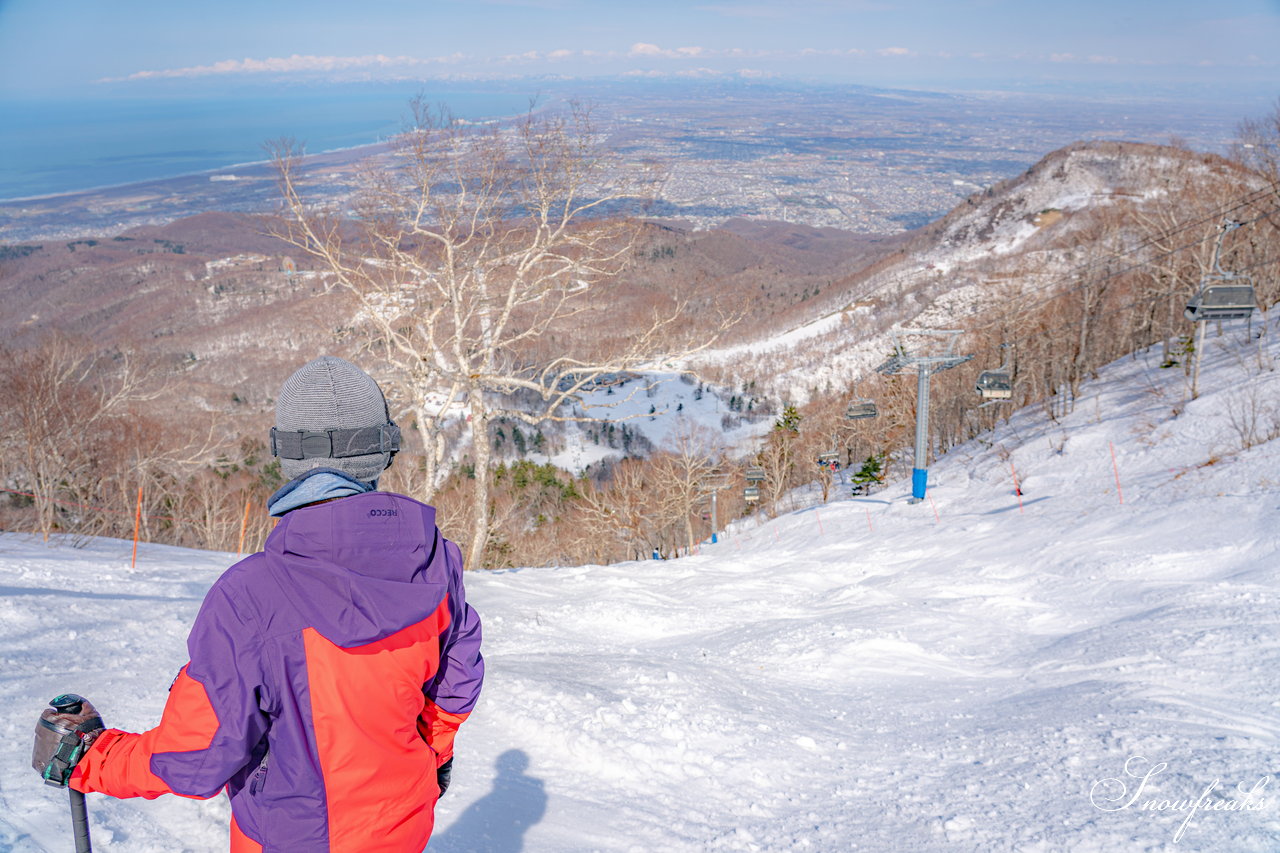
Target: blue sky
<point>79,48</point>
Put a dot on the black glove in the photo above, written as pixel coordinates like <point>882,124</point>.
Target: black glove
<point>64,734</point>
<point>443,772</point>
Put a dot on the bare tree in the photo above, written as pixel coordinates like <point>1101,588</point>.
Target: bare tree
<point>473,247</point>
<point>683,471</point>
<point>779,456</point>
<point>628,519</point>
<point>63,405</point>
<point>1259,146</point>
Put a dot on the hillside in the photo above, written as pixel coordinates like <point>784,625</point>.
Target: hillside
<point>961,674</point>
<point>1005,247</point>
<point>1091,254</point>
<point>211,295</point>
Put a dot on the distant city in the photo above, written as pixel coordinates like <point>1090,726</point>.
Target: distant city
<point>852,158</point>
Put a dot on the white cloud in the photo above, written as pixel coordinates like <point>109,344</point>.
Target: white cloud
<point>559,54</point>
<point>1062,57</point>
<point>641,48</point>
<point>893,51</point>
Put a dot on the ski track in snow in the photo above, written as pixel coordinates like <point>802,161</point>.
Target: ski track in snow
<point>958,684</point>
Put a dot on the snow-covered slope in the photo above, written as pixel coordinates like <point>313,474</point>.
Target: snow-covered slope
<point>961,674</point>
<point>1020,236</point>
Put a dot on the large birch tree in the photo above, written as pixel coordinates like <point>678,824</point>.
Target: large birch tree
<point>465,251</point>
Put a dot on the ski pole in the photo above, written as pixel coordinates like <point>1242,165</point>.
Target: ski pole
<point>80,821</point>
<point>70,704</point>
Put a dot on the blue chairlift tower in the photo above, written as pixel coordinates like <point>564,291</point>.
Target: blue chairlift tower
<point>933,352</point>
<point>711,485</point>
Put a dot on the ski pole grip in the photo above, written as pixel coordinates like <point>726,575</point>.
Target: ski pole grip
<point>67,703</point>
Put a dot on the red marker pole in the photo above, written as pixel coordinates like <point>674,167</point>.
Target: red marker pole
<point>137,524</point>
<point>819,518</point>
<point>1017,490</point>
<point>869,527</point>
<point>936,520</point>
<point>1116,469</point>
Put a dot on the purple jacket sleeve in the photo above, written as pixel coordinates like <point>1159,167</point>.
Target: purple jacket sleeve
<point>226,659</point>
<point>450,696</point>
<point>211,721</point>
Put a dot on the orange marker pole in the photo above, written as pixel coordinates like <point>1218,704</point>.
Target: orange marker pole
<point>137,525</point>
<point>244,527</point>
<point>1017,490</point>
<point>1116,469</point>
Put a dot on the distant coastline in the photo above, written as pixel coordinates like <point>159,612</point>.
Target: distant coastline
<point>358,151</point>
<point>52,150</point>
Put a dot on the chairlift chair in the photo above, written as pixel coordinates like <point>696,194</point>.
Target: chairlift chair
<point>995,385</point>
<point>755,475</point>
<point>751,494</point>
<point>1223,295</point>
<point>714,482</point>
<point>860,409</point>
<point>830,456</point>
<point>1221,301</point>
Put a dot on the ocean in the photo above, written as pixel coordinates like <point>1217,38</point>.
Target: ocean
<point>51,148</point>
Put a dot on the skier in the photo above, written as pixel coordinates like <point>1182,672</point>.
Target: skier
<point>329,673</point>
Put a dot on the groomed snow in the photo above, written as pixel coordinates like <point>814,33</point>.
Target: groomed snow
<point>862,676</point>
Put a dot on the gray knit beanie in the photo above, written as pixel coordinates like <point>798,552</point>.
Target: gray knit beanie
<point>331,393</point>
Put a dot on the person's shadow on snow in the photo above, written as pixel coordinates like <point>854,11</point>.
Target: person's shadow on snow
<point>497,822</point>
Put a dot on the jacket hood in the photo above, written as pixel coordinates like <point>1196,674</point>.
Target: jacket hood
<point>360,568</point>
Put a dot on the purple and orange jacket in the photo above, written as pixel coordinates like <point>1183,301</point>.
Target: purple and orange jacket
<point>328,676</point>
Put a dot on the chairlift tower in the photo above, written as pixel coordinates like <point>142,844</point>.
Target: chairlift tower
<point>712,484</point>
<point>933,354</point>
